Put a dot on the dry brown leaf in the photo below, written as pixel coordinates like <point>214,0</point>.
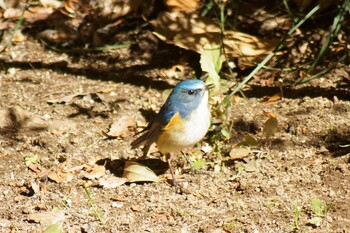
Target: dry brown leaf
<point>35,168</point>
<point>35,187</point>
<point>59,127</point>
<point>96,172</point>
<point>57,36</point>
<point>270,126</point>
<point>18,37</point>
<point>67,176</point>
<point>249,141</point>
<point>49,217</point>
<point>54,177</point>
<point>119,199</point>
<point>274,98</point>
<point>239,152</point>
<point>31,15</point>
<point>136,172</point>
<point>12,13</point>
<point>136,208</point>
<point>54,4</point>
<point>71,6</point>
<point>76,168</point>
<point>251,166</point>
<point>84,95</point>
<point>112,182</point>
<point>120,128</point>
<point>66,99</point>
<point>106,90</point>
<point>182,5</point>
<point>190,31</point>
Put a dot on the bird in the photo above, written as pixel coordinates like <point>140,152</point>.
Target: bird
<point>182,121</point>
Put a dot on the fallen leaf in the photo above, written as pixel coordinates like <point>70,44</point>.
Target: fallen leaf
<point>28,160</point>
<point>120,128</point>
<point>136,208</point>
<point>112,182</point>
<point>119,199</point>
<point>67,176</point>
<point>54,228</point>
<point>251,166</point>
<point>198,164</point>
<point>249,141</point>
<point>193,32</point>
<point>182,5</point>
<point>18,37</point>
<point>66,99</point>
<point>35,168</point>
<point>56,36</point>
<point>55,177</point>
<point>59,127</point>
<point>274,98</point>
<point>51,3</point>
<point>136,172</point>
<point>49,217</point>
<point>270,126</point>
<point>239,152</point>
<point>95,173</point>
<point>71,6</point>
<point>35,187</point>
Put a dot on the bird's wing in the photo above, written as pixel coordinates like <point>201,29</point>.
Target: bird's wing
<point>155,128</point>
<point>151,131</point>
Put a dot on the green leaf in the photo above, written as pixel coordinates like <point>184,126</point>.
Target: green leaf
<point>296,217</point>
<point>226,134</point>
<point>316,205</point>
<point>198,164</point>
<point>54,228</point>
<point>316,221</point>
<point>31,159</point>
<point>211,62</point>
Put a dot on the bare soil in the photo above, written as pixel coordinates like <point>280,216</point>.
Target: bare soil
<point>307,158</point>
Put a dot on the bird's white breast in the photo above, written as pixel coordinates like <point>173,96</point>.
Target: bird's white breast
<point>194,129</point>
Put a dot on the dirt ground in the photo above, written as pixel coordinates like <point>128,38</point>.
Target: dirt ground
<point>44,137</point>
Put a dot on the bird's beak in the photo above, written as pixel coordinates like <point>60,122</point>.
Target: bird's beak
<point>210,86</point>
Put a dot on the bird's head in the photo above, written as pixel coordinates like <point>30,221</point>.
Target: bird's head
<point>188,95</point>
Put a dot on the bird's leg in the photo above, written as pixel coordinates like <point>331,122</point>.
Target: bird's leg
<point>188,160</point>
<point>169,157</point>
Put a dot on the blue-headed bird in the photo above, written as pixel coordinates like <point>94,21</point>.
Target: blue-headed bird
<point>183,120</point>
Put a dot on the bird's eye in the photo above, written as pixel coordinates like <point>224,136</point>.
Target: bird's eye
<point>190,92</point>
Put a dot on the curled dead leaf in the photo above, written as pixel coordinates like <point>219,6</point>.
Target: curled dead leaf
<point>249,141</point>
<point>136,172</point>
<point>54,177</point>
<point>270,126</point>
<point>49,217</point>
<point>193,32</point>
<point>120,128</point>
<point>112,182</point>
<point>239,152</point>
<point>182,5</point>
<point>95,172</point>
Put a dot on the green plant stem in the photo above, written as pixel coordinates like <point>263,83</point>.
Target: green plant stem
<point>92,204</point>
<point>334,32</point>
<point>305,80</point>
<point>270,55</point>
<point>18,25</point>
